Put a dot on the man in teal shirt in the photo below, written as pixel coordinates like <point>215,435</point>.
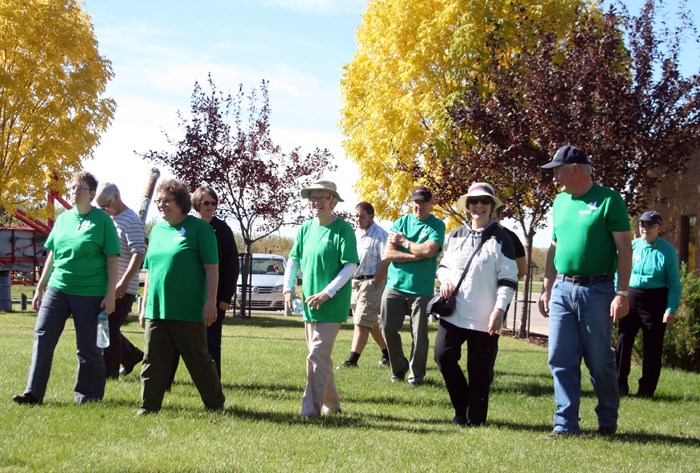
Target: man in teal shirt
<point>412,247</point>
<point>655,294</point>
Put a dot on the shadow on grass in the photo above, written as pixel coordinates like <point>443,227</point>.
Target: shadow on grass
<point>345,421</point>
<point>266,321</point>
<point>532,389</point>
<point>664,397</point>
<point>291,392</point>
<point>499,373</point>
<point>646,438</point>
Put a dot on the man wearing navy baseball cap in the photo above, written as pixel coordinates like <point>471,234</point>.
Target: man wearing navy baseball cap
<point>590,243</point>
<point>567,155</point>
<point>413,245</point>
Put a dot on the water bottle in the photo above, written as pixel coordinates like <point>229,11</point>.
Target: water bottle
<point>297,306</point>
<point>102,330</point>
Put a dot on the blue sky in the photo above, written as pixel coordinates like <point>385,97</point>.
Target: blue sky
<point>159,49</point>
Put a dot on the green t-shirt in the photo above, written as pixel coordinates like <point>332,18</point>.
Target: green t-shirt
<point>583,229</point>
<point>175,259</point>
<point>416,277</point>
<point>322,251</point>
<point>80,245</point>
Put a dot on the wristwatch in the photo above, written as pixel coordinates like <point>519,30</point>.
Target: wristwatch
<point>407,244</point>
<point>621,293</point>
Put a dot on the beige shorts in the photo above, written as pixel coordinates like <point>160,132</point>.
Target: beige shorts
<point>366,301</point>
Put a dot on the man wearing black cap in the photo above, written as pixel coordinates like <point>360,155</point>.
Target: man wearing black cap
<point>590,243</point>
<point>412,247</point>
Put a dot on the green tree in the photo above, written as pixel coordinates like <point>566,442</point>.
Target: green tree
<point>631,109</point>
<point>52,109</point>
<point>227,144</point>
<point>412,60</point>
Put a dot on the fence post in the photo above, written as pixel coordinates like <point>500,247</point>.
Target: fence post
<point>5,291</point>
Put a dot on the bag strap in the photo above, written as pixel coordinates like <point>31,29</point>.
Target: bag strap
<point>484,236</point>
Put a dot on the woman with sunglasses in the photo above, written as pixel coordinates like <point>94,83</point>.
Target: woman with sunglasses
<point>654,295</point>
<point>80,277</point>
<point>482,299</point>
<point>205,202</point>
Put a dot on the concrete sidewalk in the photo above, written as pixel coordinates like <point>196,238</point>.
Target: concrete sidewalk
<point>539,325</point>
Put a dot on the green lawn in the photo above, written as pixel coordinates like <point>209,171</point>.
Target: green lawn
<point>383,427</point>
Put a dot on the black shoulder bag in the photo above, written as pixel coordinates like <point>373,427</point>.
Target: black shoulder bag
<point>443,307</point>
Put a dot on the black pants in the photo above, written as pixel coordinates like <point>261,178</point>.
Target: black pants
<point>213,343</point>
<point>647,307</point>
<point>469,399</point>
<point>162,339</point>
<point>120,349</point>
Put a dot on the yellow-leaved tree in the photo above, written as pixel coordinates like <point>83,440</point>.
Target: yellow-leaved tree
<point>52,109</point>
<point>411,61</point>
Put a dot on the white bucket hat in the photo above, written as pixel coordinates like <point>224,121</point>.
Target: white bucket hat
<point>327,186</point>
<point>478,189</point>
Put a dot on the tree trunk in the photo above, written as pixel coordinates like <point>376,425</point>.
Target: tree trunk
<point>244,309</point>
<point>525,307</point>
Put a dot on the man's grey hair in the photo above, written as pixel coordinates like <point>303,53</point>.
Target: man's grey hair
<point>107,190</point>
<point>586,168</point>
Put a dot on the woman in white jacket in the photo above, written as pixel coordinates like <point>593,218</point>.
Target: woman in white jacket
<point>482,299</point>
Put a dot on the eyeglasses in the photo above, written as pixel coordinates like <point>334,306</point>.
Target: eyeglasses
<point>647,224</point>
<point>479,200</point>
<point>316,198</point>
<point>78,188</point>
<point>208,203</point>
<point>163,201</point>
<point>106,206</point>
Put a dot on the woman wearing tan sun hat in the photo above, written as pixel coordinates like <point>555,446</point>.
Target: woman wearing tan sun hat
<point>486,290</point>
<point>326,251</point>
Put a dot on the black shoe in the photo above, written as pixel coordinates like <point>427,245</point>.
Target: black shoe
<point>347,364</point>
<point>607,431</point>
<point>414,383</point>
<point>460,420</point>
<point>383,361</point>
<point>27,398</point>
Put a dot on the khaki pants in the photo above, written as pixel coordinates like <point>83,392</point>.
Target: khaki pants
<point>320,382</point>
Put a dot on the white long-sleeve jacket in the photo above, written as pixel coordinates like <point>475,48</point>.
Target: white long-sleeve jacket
<point>491,279</point>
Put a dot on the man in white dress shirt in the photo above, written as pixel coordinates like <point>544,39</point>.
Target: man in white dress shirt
<point>367,285</point>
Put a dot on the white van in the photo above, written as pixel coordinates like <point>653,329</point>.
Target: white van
<point>267,279</point>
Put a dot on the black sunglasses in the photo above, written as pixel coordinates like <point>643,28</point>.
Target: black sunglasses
<point>479,200</point>
<point>207,203</point>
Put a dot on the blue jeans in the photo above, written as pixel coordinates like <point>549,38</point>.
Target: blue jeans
<point>55,309</point>
<point>580,326</point>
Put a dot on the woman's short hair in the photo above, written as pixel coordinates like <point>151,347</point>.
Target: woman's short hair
<point>87,178</point>
<point>199,194</point>
<point>179,191</point>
